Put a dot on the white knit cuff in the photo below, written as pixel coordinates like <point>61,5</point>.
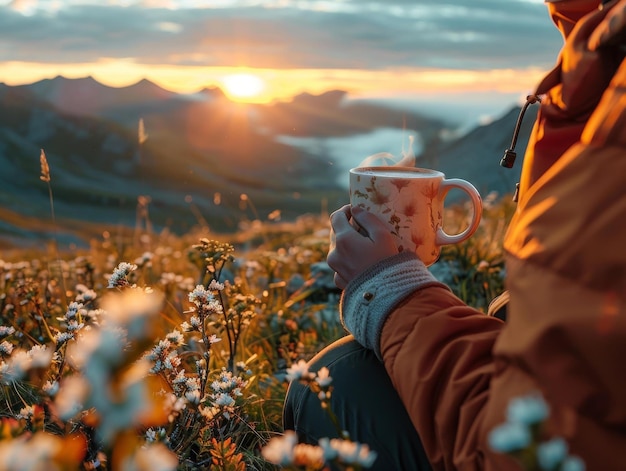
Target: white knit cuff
<point>368,300</point>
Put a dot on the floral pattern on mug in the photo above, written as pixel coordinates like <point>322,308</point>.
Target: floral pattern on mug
<point>399,218</point>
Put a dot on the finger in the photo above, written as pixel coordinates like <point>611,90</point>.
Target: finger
<point>339,281</point>
<point>372,225</point>
<point>340,220</point>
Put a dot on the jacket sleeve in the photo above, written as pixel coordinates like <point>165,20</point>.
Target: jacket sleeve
<point>438,353</point>
<point>436,349</point>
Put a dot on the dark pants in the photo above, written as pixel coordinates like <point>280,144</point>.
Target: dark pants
<point>366,404</point>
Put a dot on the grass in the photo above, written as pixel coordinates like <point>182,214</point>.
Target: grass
<point>125,357</point>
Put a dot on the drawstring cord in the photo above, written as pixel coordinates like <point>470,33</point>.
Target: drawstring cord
<point>510,155</point>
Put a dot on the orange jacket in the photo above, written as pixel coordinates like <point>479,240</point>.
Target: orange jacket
<point>455,368</point>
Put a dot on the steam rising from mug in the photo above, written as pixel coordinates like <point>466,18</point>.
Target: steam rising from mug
<point>386,159</point>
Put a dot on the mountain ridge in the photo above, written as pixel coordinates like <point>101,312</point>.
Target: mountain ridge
<point>203,149</point>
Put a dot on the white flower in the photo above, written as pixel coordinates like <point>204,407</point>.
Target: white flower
<point>280,450</point>
<point>155,457</point>
<point>214,339</point>
<point>298,371</point>
<point>73,326</point>
<point>323,377</point>
<point>63,337</point>
<point>193,396</point>
<point>209,413</point>
<point>34,453</point>
<point>72,310</point>
<point>69,400</point>
<point>50,388</point>
<point>5,331</point>
<point>6,348</point>
<point>551,453</point>
<point>223,400</point>
<point>26,412</point>
<point>40,356</point>
<point>118,277</point>
<point>509,436</point>
<point>573,463</point>
<point>349,452</point>
<point>151,435</point>
<point>204,299</point>
<point>216,285</point>
<point>530,409</point>
<point>176,338</point>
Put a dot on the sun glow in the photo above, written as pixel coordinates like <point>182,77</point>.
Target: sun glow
<point>243,87</point>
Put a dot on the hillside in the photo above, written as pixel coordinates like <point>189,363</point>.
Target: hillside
<point>201,154</point>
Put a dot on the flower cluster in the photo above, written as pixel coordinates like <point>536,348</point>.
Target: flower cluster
<point>521,437</point>
<point>285,450</point>
<point>100,371</point>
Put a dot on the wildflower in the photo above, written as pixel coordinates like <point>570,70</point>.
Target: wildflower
<point>5,331</point>
<point>509,436</point>
<point>194,324</point>
<point>151,435</point>
<point>50,388</point>
<point>209,413</point>
<point>205,300</point>
<point>85,294</point>
<point>63,337</point>
<point>223,400</point>
<point>214,339</point>
<point>216,285</point>
<point>94,314</point>
<point>26,412</point>
<point>30,453</point>
<point>323,378</point>
<point>6,348</point>
<point>348,452</point>
<point>573,463</point>
<point>145,258</point>
<point>551,453</point>
<point>133,310</point>
<point>298,371</point>
<point>309,456</point>
<point>176,338</point>
<point>193,396</point>
<point>118,278</point>
<point>40,356</point>
<point>280,450</point>
<point>530,409</point>
<point>70,398</point>
<point>152,458</point>
<point>74,326</point>
<point>72,310</point>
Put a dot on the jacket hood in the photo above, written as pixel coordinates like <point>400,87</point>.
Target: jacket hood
<point>565,14</point>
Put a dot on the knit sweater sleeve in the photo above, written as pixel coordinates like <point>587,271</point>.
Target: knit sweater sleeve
<point>369,299</point>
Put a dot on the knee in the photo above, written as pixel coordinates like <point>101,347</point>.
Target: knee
<point>302,410</point>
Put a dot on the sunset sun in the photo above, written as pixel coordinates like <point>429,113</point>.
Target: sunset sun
<point>243,87</point>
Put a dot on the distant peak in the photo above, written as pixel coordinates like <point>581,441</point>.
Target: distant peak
<point>145,84</point>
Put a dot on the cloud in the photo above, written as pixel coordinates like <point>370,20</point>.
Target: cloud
<point>455,34</point>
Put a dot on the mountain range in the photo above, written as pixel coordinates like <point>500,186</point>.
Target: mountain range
<point>179,160</point>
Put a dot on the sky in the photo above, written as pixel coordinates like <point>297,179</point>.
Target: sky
<point>472,55</point>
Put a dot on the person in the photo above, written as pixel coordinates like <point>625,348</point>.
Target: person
<point>422,378</point>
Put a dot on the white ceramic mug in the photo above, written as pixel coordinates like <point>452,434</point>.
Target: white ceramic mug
<point>410,201</point>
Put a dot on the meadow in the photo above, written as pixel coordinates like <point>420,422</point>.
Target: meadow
<point>154,351</point>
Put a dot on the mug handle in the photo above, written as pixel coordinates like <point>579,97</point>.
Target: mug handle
<point>446,185</point>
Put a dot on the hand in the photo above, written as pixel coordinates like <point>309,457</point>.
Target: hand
<point>358,240</point>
